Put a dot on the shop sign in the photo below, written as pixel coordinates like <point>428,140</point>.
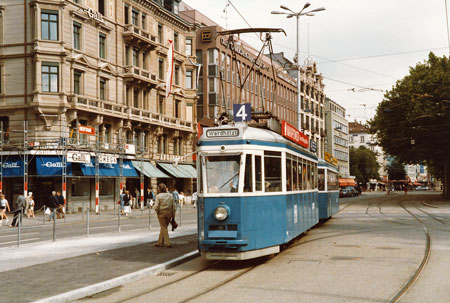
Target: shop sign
<point>130,149</point>
<point>78,157</point>
<point>206,36</point>
<point>293,134</point>
<point>86,130</point>
<point>94,15</point>
<point>313,146</point>
<point>107,159</point>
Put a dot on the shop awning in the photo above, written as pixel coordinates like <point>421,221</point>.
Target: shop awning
<point>12,166</point>
<point>109,170</point>
<point>346,182</point>
<point>148,169</point>
<point>179,171</point>
<point>51,166</point>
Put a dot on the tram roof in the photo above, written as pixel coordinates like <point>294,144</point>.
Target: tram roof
<point>243,132</point>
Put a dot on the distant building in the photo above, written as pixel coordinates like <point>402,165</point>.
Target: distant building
<point>359,135</point>
<point>337,135</point>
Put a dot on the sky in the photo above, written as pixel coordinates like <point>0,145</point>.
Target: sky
<point>361,47</point>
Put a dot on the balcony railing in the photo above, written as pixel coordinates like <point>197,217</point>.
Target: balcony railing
<point>102,106</point>
<point>132,73</point>
<point>140,37</point>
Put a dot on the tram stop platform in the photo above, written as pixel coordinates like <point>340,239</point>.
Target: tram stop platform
<point>74,268</point>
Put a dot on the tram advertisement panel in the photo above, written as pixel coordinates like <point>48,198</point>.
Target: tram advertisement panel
<point>290,132</point>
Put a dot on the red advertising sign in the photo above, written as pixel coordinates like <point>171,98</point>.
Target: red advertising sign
<point>293,134</point>
<point>86,130</point>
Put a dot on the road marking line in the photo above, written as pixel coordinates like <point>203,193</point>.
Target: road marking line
<point>109,226</point>
<point>15,235</point>
<point>21,240</point>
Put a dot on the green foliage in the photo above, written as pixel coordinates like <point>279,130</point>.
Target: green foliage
<point>412,122</point>
<point>396,170</point>
<point>363,164</point>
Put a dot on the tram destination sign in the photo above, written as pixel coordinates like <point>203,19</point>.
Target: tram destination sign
<point>222,133</point>
<point>293,134</point>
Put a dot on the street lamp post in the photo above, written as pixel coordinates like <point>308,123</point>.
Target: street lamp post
<point>290,13</point>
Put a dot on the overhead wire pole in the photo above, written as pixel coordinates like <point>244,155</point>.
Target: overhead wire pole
<point>64,161</point>
<point>97,171</point>
<point>25,158</point>
<point>1,156</point>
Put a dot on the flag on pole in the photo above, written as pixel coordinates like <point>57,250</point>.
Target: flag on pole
<point>169,73</point>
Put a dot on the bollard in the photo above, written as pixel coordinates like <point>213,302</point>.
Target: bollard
<point>87,221</point>
<point>82,211</point>
<point>118,222</point>
<point>149,217</point>
<point>54,224</point>
<point>19,228</point>
<point>180,214</point>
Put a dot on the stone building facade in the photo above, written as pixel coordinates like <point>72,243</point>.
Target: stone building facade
<point>88,77</point>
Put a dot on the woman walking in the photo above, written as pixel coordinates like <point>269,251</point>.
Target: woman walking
<point>3,206</point>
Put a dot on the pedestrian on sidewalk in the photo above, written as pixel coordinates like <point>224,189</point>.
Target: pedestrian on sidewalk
<point>30,205</point>
<point>194,199</point>
<point>165,208</point>
<point>122,202</point>
<point>176,196</point>
<point>52,204</point>
<point>4,205</point>
<point>21,204</point>
<point>126,202</point>
<point>405,188</point>
<point>60,203</point>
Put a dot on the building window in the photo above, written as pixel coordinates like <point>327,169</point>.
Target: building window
<point>189,79</point>
<point>76,35</point>
<point>101,7</point>
<point>161,104</point>
<point>135,57</point>
<point>102,46</point>
<point>144,60</point>
<point>50,72</point>
<point>126,13</point>
<point>107,138</point>
<point>188,46</point>
<point>77,82</point>
<point>49,25</point>
<point>362,139</point>
<point>144,21</point>
<point>160,33</point>
<point>175,41</point>
<point>135,98</point>
<point>1,79</point>
<point>161,69</point>
<point>177,75</point>
<point>135,17</point>
<point>103,87</point>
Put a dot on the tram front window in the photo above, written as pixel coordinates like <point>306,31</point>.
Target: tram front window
<point>222,174</point>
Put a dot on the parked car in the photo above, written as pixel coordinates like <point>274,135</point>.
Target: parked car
<point>348,191</point>
<point>421,188</point>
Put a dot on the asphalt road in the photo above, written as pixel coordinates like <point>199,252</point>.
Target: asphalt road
<point>378,248</point>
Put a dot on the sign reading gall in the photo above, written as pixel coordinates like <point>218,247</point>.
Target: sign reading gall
<point>293,134</point>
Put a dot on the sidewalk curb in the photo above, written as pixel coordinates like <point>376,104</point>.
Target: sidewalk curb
<point>112,283</point>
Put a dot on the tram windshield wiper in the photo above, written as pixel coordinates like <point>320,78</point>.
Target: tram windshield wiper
<point>226,182</point>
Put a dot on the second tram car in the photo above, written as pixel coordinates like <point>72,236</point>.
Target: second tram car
<point>328,185</point>
<point>256,191</point>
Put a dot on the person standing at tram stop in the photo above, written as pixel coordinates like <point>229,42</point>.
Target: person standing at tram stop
<point>405,188</point>
<point>165,208</point>
<point>60,207</point>
<point>30,205</point>
<point>176,196</point>
<point>21,204</point>
<point>52,204</point>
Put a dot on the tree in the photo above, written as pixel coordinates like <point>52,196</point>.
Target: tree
<point>363,164</point>
<point>396,170</point>
<point>412,122</point>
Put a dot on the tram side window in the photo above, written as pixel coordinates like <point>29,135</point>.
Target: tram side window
<point>299,170</point>
<point>308,175</point>
<point>314,165</point>
<point>288,173</point>
<point>332,182</point>
<point>302,172</point>
<point>248,187</point>
<point>321,179</point>
<point>294,173</point>
<point>258,173</point>
<point>272,171</point>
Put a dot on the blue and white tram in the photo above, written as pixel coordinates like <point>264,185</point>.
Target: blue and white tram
<point>256,191</point>
<point>328,185</point>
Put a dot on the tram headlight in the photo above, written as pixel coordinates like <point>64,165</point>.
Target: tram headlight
<point>221,212</point>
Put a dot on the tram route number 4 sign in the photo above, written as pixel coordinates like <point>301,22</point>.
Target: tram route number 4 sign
<point>242,112</point>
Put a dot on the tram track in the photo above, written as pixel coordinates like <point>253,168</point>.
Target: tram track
<point>427,252</point>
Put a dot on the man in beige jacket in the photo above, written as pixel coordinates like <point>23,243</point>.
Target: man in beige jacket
<point>165,209</point>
